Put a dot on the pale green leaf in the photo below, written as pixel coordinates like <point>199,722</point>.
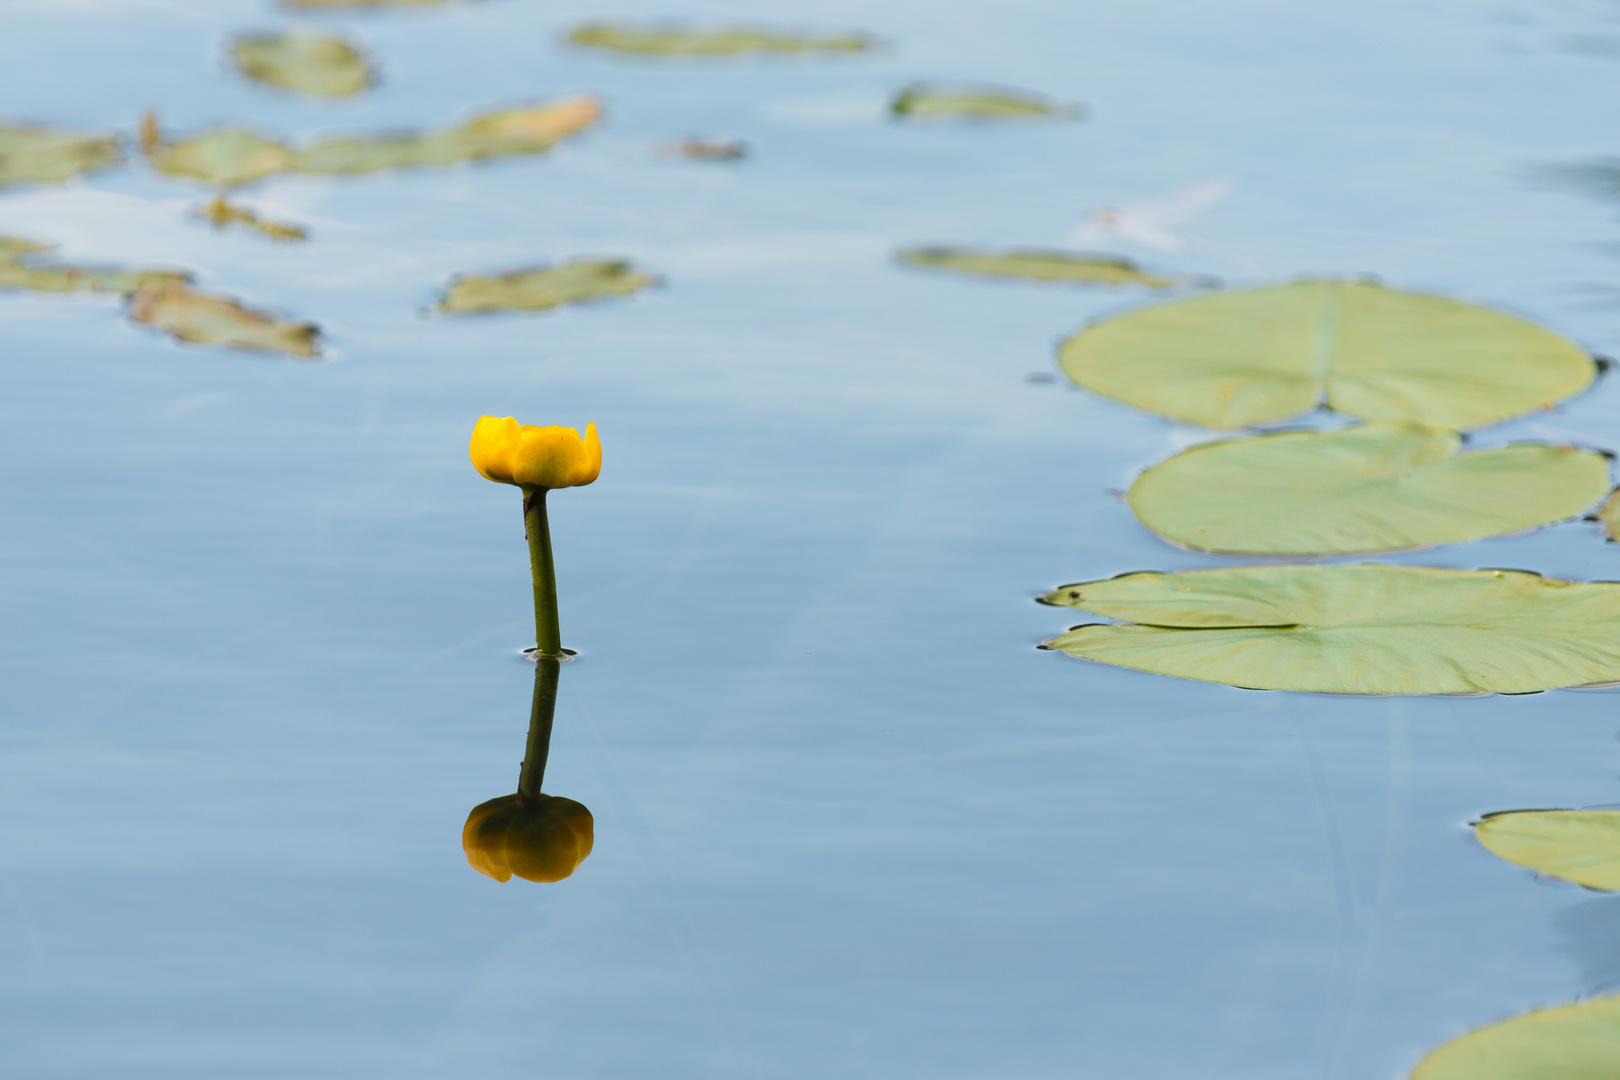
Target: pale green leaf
<point>1582,846</point>
<point>1041,265</point>
<point>675,40</point>
<point>1609,515</point>
<point>39,155</point>
<point>977,103</point>
<point>1382,486</point>
<point>1353,629</point>
<point>543,287</point>
<point>308,63</point>
<point>17,273</point>
<point>1253,357</point>
<point>1573,1042</point>
<point>204,319</point>
<point>222,158</point>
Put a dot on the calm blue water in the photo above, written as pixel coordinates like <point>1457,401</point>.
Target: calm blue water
<point>260,652</point>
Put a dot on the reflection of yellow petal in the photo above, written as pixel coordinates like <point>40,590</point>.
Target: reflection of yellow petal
<point>538,838</point>
<point>550,457</point>
<point>1575,1042</point>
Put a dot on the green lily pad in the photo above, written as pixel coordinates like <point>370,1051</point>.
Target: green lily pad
<point>1040,265</point>
<point>1582,846</point>
<point>1609,515</point>
<point>543,287</point>
<point>977,103</point>
<point>1573,1042</point>
<point>1262,355</point>
<point>204,319</point>
<point>308,63</point>
<point>676,40</point>
<point>1382,486</point>
<point>20,269</point>
<point>1353,629</point>
<point>222,158</point>
<point>41,155</point>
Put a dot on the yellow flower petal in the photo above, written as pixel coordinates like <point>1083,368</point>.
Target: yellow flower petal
<point>550,457</point>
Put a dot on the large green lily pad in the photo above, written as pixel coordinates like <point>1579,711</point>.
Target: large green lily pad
<point>233,157</point>
<point>1382,486</point>
<point>1582,846</point>
<point>1039,265</point>
<point>675,40</point>
<point>1262,355</point>
<point>1353,629</point>
<point>977,103</point>
<point>1573,1042</point>
<point>308,63</point>
<point>41,155</point>
<point>20,268</point>
<point>204,319</point>
<point>543,287</point>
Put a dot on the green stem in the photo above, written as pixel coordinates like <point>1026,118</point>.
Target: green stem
<point>546,670</point>
<point>547,634</point>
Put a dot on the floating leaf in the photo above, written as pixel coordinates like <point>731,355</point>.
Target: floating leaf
<point>218,320</point>
<point>1382,486</point>
<point>40,155</point>
<point>676,40</point>
<point>19,269</point>
<point>1261,355</point>
<point>543,287</point>
<point>1574,1042</point>
<point>309,63</point>
<point>1042,266</point>
<point>977,102</point>
<point>1582,846</point>
<point>222,212</point>
<point>1353,629</point>
<point>232,157</point>
<point>1609,515</point>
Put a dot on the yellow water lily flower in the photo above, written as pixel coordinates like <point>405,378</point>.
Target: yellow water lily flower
<point>538,837</point>
<point>549,457</point>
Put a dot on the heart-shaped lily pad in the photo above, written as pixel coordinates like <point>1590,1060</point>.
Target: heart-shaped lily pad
<point>1582,846</point>
<point>1039,265</point>
<point>1365,629</point>
<point>204,319</point>
<point>308,63</point>
<point>922,101</point>
<point>543,287</point>
<point>1381,486</point>
<point>1262,355</point>
<point>1572,1042</point>
<point>659,39</point>
<point>42,155</point>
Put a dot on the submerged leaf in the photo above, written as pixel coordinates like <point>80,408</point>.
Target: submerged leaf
<point>1261,355</point>
<point>309,63</point>
<point>1042,266</point>
<point>543,287</point>
<point>1353,629</point>
<point>977,102</point>
<point>205,319</point>
<point>40,155</point>
<point>1382,486</point>
<point>222,212</point>
<point>1582,846</point>
<point>676,40</point>
<point>229,158</point>
<point>1573,1042</point>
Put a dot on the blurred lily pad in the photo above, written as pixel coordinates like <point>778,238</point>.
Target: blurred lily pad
<point>1382,486</point>
<point>42,155</point>
<point>1041,265</point>
<point>676,40</point>
<point>232,157</point>
<point>1261,355</point>
<point>1582,846</point>
<point>977,103</point>
<point>308,63</point>
<point>1572,1042</point>
<point>696,149</point>
<point>20,268</point>
<point>543,287</point>
<point>1353,629</point>
<point>222,212</point>
<point>205,319</point>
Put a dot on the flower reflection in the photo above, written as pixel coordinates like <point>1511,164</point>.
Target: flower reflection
<point>536,837</point>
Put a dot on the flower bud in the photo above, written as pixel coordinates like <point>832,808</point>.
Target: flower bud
<point>550,457</point>
<point>536,837</point>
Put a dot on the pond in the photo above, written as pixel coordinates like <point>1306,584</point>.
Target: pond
<point>263,646</point>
